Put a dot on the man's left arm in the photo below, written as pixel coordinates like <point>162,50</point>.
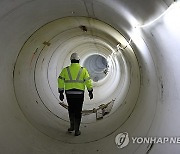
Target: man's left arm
<point>88,83</point>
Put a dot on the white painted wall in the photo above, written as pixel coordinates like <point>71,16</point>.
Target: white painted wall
<point>157,50</point>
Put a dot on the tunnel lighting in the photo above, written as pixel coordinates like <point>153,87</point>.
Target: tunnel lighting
<point>171,19</point>
<point>171,7</point>
<point>173,10</point>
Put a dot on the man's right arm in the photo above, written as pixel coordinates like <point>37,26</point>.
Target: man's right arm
<point>61,80</point>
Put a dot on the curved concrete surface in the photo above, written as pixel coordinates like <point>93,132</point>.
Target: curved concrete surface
<point>37,37</point>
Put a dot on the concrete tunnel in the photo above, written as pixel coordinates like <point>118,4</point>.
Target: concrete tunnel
<point>137,43</point>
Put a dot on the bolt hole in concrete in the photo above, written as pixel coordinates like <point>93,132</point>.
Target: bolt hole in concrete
<point>112,71</point>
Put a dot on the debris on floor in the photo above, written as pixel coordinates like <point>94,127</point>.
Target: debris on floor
<point>101,111</point>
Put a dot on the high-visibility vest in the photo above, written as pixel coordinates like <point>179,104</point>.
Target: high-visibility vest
<point>74,77</point>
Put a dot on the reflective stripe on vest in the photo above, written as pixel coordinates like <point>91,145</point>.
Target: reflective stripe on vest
<point>77,79</point>
<point>74,92</point>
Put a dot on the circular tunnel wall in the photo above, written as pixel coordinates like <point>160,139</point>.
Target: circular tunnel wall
<point>44,55</point>
<point>36,45</point>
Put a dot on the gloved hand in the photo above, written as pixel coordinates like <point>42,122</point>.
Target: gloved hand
<point>61,96</point>
<point>91,94</point>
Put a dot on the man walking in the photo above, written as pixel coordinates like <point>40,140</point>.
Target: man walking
<point>73,80</point>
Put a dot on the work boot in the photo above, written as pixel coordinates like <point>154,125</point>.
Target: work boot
<point>77,133</point>
<point>70,129</point>
<point>71,124</point>
<point>76,126</point>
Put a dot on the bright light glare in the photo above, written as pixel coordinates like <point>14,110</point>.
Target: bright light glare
<point>172,18</point>
<point>171,7</point>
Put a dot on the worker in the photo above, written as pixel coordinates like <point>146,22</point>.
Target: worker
<point>73,80</point>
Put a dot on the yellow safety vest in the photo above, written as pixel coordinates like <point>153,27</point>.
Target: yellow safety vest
<point>74,77</point>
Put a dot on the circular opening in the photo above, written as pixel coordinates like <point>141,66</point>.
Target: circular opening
<point>97,66</point>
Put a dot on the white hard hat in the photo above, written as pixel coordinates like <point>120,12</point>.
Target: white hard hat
<point>74,56</point>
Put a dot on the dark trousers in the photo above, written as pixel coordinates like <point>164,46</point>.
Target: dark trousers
<point>75,103</point>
